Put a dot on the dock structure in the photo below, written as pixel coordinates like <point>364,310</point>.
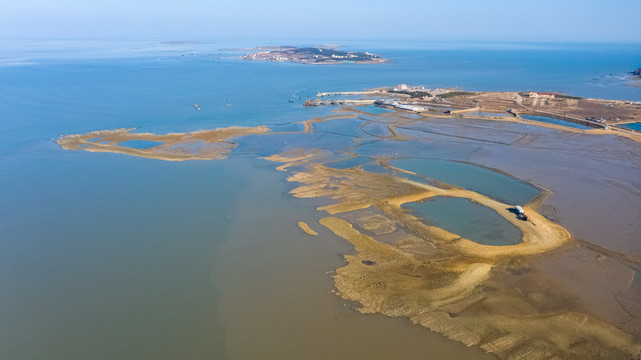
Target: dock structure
<point>337,102</point>
<point>346,93</point>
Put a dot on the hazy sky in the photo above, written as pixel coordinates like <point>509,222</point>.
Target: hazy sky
<point>472,20</point>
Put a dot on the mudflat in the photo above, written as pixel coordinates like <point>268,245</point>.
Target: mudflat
<point>569,289</point>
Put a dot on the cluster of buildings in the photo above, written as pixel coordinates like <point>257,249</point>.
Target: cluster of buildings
<point>397,105</point>
<point>265,55</point>
<point>404,87</point>
<point>348,56</point>
<point>547,95</point>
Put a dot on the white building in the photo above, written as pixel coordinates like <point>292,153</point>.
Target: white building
<point>542,94</point>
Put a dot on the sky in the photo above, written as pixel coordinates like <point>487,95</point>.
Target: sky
<point>613,21</point>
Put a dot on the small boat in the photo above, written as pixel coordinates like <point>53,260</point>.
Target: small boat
<point>519,210</point>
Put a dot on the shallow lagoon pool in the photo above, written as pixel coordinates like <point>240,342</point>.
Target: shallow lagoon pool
<point>373,109</point>
<point>140,144</point>
<point>632,126</point>
<point>494,184</point>
<point>469,220</point>
<point>555,121</point>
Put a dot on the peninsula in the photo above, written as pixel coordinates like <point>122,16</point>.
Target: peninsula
<point>616,116</point>
<point>314,55</point>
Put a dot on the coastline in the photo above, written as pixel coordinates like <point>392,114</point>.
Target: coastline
<point>393,271</point>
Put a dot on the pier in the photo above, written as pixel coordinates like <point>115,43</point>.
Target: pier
<point>347,93</point>
<point>337,102</point>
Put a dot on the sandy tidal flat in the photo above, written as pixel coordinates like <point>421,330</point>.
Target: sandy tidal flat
<point>522,301</point>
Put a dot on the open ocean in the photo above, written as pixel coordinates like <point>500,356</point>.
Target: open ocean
<point>107,256</point>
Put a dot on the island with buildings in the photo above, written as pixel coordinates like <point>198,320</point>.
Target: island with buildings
<point>313,55</point>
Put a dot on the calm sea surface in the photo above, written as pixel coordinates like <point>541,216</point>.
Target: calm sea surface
<point>106,256</point>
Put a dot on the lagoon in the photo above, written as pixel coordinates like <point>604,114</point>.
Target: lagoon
<point>494,184</point>
<point>139,144</point>
<point>632,126</point>
<point>469,220</point>
<point>555,121</point>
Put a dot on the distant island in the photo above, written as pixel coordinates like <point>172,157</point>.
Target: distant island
<point>314,55</point>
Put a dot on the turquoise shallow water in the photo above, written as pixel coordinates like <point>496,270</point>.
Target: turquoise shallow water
<point>113,255</point>
<point>634,126</point>
<point>469,220</point>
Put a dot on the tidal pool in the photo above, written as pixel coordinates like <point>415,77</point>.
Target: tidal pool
<point>376,168</point>
<point>293,127</point>
<point>347,127</point>
<point>373,109</point>
<point>632,126</point>
<point>555,121</point>
<point>140,144</point>
<point>494,184</point>
<point>376,129</point>
<point>469,220</point>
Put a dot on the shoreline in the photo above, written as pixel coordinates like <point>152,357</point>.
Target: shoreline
<point>404,267</point>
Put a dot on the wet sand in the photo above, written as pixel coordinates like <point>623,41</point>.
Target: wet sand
<point>204,145</point>
<point>305,227</point>
<point>552,295</point>
<point>440,280</point>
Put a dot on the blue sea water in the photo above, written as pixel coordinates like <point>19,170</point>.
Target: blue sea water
<point>113,255</point>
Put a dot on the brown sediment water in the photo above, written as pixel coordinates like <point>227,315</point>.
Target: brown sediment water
<point>540,298</point>
<point>276,297</point>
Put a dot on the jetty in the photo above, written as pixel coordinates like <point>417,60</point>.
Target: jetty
<point>347,93</point>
